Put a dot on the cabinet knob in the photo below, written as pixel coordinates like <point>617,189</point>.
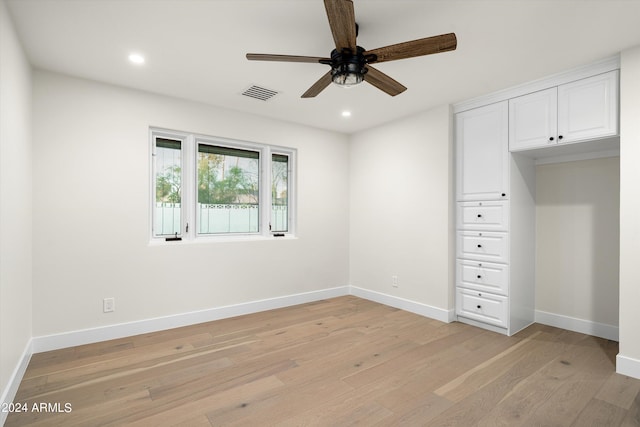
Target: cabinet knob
<point>559,136</point>
<point>504,194</point>
<point>479,306</point>
<point>479,276</point>
<point>479,215</point>
<point>479,246</point>
<point>550,138</point>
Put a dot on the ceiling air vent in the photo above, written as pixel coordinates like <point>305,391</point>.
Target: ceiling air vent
<point>260,93</point>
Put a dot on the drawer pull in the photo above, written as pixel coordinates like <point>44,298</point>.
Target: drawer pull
<point>479,276</point>
<point>479,306</point>
<point>479,246</point>
<point>479,215</point>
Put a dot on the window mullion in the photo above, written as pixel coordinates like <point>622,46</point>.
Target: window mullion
<point>152,180</point>
<point>291,192</point>
<point>265,192</point>
<point>189,202</point>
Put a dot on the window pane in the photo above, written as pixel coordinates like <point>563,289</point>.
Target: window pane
<point>168,183</point>
<point>279,193</point>
<point>228,193</point>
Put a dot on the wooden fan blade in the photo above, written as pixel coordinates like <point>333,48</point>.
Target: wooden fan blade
<point>342,20</point>
<point>420,47</point>
<point>284,58</point>
<point>318,86</point>
<point>383,81</point>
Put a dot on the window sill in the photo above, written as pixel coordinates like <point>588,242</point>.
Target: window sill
<point>220,239</point>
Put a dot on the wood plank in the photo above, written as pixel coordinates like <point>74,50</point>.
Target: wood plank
<point>530,393</point>
<point>633,414</point>
<point>85,376</point>
<point>476,399</point>
<point>408,364</point>
<point>598,413</point>
<point>184,412</point>
<point>413,407</point>
<point>484,373</point>
<point>585,371</point>
<point>619,390</point>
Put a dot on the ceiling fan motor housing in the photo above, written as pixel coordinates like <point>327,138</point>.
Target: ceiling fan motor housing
<point>347,68</point>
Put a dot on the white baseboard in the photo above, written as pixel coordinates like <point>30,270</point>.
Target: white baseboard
<point>9,393</point>
<point>425,310</point>
<point>588,327</point>
<point>122,330</point>
<point>482,325</point>
<point>628,366</point>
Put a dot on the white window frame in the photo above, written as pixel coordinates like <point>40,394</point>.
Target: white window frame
<point>183,138</point>
<point>291,187</point>
<point>189,226</point>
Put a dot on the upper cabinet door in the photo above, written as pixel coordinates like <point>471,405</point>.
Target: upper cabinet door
<point>533,120</point>
<point>482,144</point>
<point>588,108</point>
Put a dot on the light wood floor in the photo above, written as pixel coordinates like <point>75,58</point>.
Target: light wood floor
<point>332,363</point>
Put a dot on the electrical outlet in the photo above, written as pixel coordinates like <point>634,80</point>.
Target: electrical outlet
<point>108,305</point>
<point>394,281</point>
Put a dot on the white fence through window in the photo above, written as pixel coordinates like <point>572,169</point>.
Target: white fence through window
<point>219,218</point>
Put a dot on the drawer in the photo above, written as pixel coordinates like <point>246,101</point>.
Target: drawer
<point>492,215</point>
<point>492,246</point>
<point>483,276</point>
<point>483,307</point>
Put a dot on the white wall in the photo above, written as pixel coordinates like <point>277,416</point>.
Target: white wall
<point>91,211</point>
<point>577,241</point>
<point>15,203</point>
<point>629,356</point>
<point>401,209</point>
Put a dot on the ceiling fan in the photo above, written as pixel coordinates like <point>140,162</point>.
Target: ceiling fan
<point>350,63</point>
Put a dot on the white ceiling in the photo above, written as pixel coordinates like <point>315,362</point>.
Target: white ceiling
<point>195,49</point>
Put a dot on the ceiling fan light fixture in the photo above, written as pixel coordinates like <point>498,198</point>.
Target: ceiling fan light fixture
<point>347,78</point>
<point>348,69</point>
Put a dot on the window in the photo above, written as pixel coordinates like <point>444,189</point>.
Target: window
<point>168,183</point>
<point>208,187</point>
<point>279,192</point>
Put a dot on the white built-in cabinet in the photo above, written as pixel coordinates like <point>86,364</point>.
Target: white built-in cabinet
<point>483,153</point>
<point>483,216</point>
<point>497,139</point>
<point>533,120</point>
<point>581,110</point>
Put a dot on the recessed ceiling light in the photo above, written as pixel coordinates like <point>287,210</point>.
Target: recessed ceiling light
<point>136,58</point>
<point>346,113</point>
